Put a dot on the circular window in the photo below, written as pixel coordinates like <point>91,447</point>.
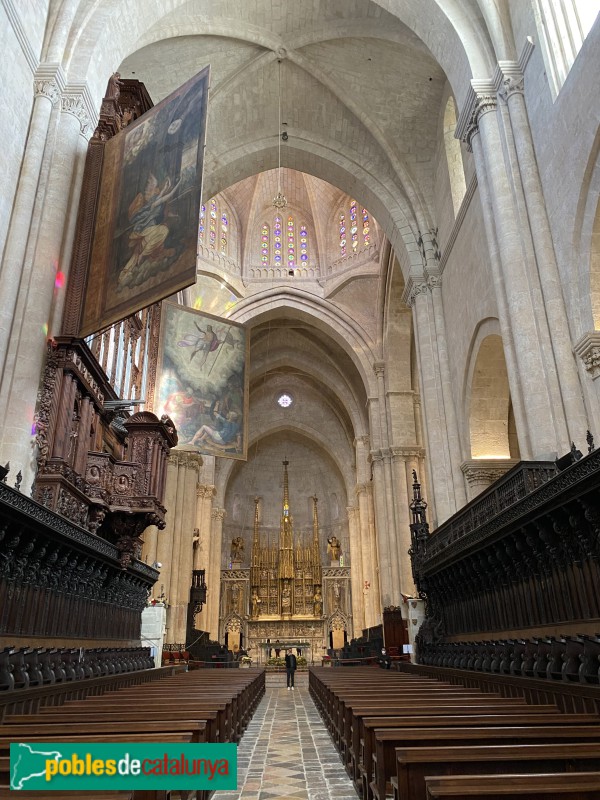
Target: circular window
<point>284,400</point>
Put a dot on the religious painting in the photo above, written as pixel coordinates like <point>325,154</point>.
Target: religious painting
<point>202,381</point>
<point>145,238</point>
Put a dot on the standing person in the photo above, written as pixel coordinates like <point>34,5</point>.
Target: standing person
<point>290,667</point>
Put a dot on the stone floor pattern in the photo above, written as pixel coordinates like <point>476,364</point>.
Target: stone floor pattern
<point>286,751</point>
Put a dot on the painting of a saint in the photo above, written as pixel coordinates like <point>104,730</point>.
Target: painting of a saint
<point>145,239</point>
<point>202,381</point>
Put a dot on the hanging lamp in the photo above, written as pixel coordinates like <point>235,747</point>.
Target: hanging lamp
<point>280,200</point>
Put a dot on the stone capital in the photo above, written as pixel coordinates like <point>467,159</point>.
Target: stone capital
<point>414,287</point>
<point>407,453</point>
<point>49,82</point>
<point>379,368</point>
<point>76,100</point>
<point>204,490</point>
<point>362,488</point>
<point>185,459</point>
<point>480,99</point>
<point>364,441</point>
<point>588,350</point>
<point>218,514</point>
<point>481,472</point>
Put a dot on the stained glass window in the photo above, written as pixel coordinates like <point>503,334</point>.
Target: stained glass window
<point>215,224</point>
<point>342,234</point>
<point>264,244</point>
<point>303,244</point>
<point>202,227</point>
<point>354,229</point>
<point>291,243</point>
<point>277,240</point>
<point>353,226</point>
<point>212,224</point>
<point>224,232</point>
<point>285,245</point>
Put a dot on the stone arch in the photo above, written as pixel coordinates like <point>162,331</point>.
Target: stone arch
<point>456,171</point>
<point>293,303</point>
<point>492,433</point>
<point>586,248</point>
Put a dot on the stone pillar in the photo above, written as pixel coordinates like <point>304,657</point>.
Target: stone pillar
<point>510,82</point>
<point>386,532</point>
<point>175,543</point>
<point>50,253</point>
<point>402,495</point>
<point>183,523</point>
<point>356,569</point>
<point>202,548</point>
<point>460,496</point>
<point>537,370</point>
<point>516,390</point>
<point>482,472</point>
<point>214,591</point>
<point>370,586</point>
<point>48,84</point>
<point>443,502</point>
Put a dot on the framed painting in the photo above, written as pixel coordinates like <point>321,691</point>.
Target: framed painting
<point>202,381</point>
<point>146,232</point>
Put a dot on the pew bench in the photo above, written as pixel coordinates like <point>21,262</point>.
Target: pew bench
<point>563,785</point>
<point>348,737</point>
<point>414,764</point>
<point>367,726</point>
<point>386,742</point>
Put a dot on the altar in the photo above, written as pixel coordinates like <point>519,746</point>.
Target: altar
<point>285,598</point>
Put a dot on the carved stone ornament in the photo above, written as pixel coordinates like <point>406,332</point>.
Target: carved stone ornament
<point>413,289</point>
<point>480,473</point>
<point>511,84</point>
<point>588,350</point>
<point>74,104</point>
<point>47,88</point>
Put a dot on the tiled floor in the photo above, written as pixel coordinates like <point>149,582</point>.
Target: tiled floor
<point>286,751</point>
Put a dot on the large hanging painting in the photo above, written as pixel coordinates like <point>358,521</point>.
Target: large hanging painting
<point>145,239</point>
<point>202,381</point>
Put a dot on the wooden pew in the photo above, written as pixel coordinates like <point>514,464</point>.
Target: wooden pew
<point>413,764</point>
<point>386,743</point>
<point>401,730</point>
<point>350,732</point>
<point>566,786</point>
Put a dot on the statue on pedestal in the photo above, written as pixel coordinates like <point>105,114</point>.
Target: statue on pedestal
<point>237,548</point>
<point>334,548</point>
<point>318,602</point>
<point>255,604</point>
<point>286,599</point>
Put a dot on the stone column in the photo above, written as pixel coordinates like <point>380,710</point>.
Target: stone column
<point>369,587</point>
<point>382,473</point>
<point>544,409</point>
<point>442,502</point>
<point>400,456</point>
<point>356,570</point>
<point>182,524</point>
<point>48,83</point>
<point>460,496</point>
<point>214,592</point>
<point>202,550</point>
<point>516,390</point>
<point>50,252</point>
<point>510,82</point>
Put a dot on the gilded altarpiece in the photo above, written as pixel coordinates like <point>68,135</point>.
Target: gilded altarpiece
<point>286,596</point>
